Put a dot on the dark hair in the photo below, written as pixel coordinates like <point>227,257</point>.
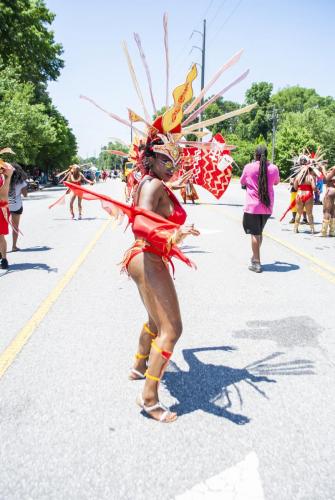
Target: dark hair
<point>148,148</point>
<point>19,175</point>
<point>148,151</point>
<point>261,154</point>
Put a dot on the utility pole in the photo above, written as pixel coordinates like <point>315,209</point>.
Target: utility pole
<point>274,126</point>
<point>203,56</point>
<point>203,59</point>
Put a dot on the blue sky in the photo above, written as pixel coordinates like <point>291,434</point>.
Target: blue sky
<point>285,42</point>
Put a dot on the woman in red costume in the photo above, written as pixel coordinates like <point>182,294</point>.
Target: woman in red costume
<point>6,171</point>
<point>305,185</point>
<point>75,176</point>
<point>157,220</point>
<point>149,269</point>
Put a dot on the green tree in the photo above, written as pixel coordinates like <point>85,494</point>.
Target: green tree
<point>258,122</point>
<point>110,161</point>
<point>310,129</point>
<point>60,152</point>
<point>297,99</point>
<point>24,126</point>
<point>218,108</point>
<point>27,42</point>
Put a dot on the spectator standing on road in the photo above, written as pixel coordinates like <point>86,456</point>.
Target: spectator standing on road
<point>258,177</point>
<point>17,188</point>
<point>6,171</point>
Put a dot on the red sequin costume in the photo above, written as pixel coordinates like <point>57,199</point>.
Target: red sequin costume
<point>4,211</point>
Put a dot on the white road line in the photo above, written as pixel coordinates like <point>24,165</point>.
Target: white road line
<point>240,482</point>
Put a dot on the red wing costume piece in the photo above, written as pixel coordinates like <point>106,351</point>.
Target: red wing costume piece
<point>206,167</point>
<point>155,232</point>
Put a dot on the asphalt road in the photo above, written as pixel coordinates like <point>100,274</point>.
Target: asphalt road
<point>251,378</point>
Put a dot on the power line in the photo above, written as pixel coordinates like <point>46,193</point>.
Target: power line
<point>183,58</point>
<point>217,12</point>
<point>208,8</point>
<point>226,21</point>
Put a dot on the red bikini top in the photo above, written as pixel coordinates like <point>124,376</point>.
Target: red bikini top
<point>178,215</point>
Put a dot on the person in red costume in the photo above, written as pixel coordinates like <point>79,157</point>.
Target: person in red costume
<point>6,171</point>
<point>150,272</point>
<point>157,220</point>
<point>76,177</point>
<point>305,186</point>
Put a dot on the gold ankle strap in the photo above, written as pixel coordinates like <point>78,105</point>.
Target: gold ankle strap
<point>151,377</point>
<point>165,354</point>
<point>147,330</point>
<point>138,355</point>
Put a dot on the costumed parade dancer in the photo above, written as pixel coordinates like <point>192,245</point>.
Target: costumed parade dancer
<point>328,224</point>
<point>157,218</point>
<point>305,185</point>
<point>74,175</point>
<point>189,192</point>
<point>306,168</point>
<point>6,172</point>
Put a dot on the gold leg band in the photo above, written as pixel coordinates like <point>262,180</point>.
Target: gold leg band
<point>151,377</point>
<point>148,331</point>
<point>141,356</point>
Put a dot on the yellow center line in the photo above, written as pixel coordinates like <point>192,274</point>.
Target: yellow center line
<point>323,265</point>
<point>10,353</point>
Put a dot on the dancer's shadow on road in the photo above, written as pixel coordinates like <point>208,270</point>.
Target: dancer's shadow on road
<point>209,387</point>
<point>26,266</point>
<point>192,249</point>
<point>279,267</point>
<point>34,249</point>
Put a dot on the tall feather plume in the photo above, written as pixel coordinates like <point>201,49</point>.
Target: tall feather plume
<point>135,81</point>
<point>214,98</point>
<point>166,45</point>
<point>112,115</point>
<point>146,67</point>
<point>218,119</point>
<point>217,75</point>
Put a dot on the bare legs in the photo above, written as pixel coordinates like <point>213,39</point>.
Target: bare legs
<point>329,213</point>
<point>256,243</point>
<point>73,197</point>
<point>79,205</point>
<point>147,335</point>
<point>308,208</point>
<point>3,247</point>
<point>309,213</point>
<point>15,231</point>
<point>80,208</point>
<point>160,299</point>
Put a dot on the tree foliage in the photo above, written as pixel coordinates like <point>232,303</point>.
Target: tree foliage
<point>303,119</point>
<point>110,161</point>
<point>29,58</point>
<point>27,43</point>
<point>24,126</point>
